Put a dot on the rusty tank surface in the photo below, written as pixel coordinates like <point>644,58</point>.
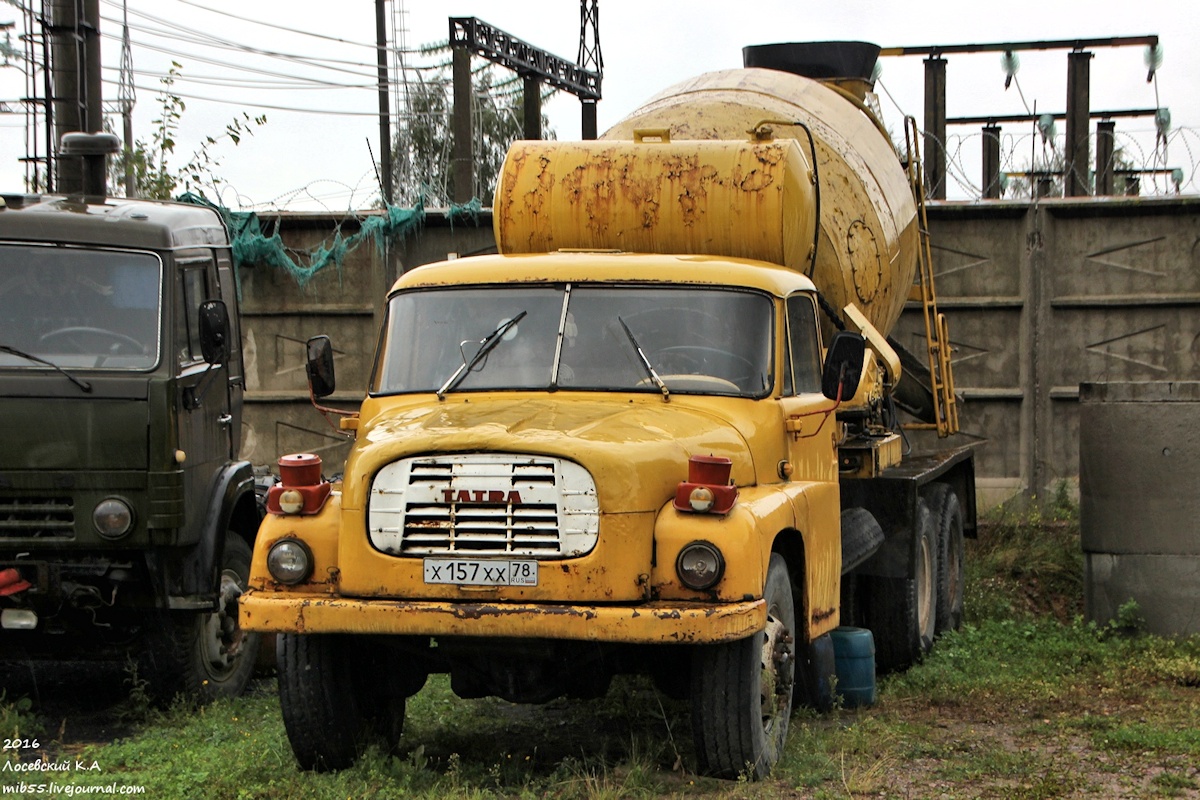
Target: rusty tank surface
<point>739,149</point>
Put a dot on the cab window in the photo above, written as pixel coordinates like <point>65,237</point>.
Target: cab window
<point>193,290</point>
<point>803,370</point>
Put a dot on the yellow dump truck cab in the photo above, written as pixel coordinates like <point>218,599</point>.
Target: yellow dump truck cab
<point>536,497</point>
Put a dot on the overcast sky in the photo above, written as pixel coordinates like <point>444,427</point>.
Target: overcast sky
<point>320,156</point>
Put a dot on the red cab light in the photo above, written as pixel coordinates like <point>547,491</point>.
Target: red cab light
<point>301,489</point>
<point>707,489</point>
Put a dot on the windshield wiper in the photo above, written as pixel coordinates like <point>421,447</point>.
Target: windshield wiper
<point>84,385</point>
<point>646,365</point>
<point>486,345</point>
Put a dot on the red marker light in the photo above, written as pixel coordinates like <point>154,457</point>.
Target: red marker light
<point>300,490</point>
<point>707,489</point>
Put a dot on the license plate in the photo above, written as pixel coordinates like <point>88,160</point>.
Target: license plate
<point>481,572</point>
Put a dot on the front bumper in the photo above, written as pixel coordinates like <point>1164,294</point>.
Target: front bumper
<point>649,623</point>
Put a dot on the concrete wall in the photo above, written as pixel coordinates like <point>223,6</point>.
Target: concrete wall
<point>279,316</point>
<point>1040,298</point>
<point>1043,297</point>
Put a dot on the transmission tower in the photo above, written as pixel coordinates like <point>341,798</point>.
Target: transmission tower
<point>126,100</point>
<point>590,59</point>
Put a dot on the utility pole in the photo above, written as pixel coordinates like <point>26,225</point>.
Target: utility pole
<point>385,129</point>
<point>935,127</point>
<point>463,173</point>
<point>1078,106</point>
<point>75,78</point>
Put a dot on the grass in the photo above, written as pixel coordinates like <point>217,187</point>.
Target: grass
<point>1026,701</point>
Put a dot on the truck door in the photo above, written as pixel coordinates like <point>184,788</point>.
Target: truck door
<point>204,417</point>
<point>811,431</point>
<point>809,423</point>
<point>234,366</point>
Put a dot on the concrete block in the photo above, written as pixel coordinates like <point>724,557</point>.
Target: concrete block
<point>1139,458</point>
<point>1166,588</point>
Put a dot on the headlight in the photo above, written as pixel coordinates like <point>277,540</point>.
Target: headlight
<point>700,565</point>
<point>113,518</point>
<point>289,561</point>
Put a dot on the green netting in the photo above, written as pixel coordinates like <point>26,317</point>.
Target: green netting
<point>469,210</point>
<point>394,223</point>
<point>251,246</point>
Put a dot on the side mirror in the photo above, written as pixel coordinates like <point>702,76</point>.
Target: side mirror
<point>843,365</point>
<point>214,331</point>
<point>320,366</point>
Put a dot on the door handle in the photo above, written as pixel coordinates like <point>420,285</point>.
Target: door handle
<point>225,420</point>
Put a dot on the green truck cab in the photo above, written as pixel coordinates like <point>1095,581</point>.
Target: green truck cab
<point>126,518</point>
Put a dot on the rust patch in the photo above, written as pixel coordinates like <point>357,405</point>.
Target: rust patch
<point>432,524</point>
<point>481,610</point>
<point>823,614</point>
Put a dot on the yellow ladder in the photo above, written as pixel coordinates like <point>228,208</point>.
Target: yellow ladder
<point>937,330</point>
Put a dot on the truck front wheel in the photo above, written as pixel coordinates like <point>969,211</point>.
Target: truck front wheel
<point>224,655</point>
<point>742,690</point>
<point>205,655</point>
<point>334,699</point>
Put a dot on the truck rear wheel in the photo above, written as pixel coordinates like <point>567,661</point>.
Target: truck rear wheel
<point>332,700</point>
<point>205,655</point>
<point>816,674</point>
<point>947,521</point>
<point>902,612</point>
<point>742,690</point>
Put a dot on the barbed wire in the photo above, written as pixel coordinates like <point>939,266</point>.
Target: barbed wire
<point>1158,165</point>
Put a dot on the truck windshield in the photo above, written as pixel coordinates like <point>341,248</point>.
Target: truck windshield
<point>698,340</point>
<point>78,309</point>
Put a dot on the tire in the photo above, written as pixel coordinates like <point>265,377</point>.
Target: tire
<point>816,674</point>
<point>205,656</point>
<point>330,700</point>
<point>851,611</point>
<point>742,690</point>
<point>901,612</point>
<point>861,537</point>
<point>948,523</point>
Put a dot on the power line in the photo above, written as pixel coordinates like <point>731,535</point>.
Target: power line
<point>250,103</point>
<point>325,63</point>
<point>233,82</point>
<point>219,41</point>
<point>290,77</point>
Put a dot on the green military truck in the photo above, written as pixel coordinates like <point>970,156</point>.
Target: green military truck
<point>126,518</point>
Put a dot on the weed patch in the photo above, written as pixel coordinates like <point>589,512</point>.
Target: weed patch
<point>1027,700</point>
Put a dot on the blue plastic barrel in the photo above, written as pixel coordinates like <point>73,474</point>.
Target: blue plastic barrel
<point>854,664</point>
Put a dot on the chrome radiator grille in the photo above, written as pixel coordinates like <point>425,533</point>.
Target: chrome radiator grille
<point>484,504</point>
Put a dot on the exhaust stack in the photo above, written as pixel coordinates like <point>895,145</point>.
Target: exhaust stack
<point>94,149</point>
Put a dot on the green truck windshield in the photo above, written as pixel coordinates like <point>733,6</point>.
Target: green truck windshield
<point>79,309</point>
<point>577,337</point>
